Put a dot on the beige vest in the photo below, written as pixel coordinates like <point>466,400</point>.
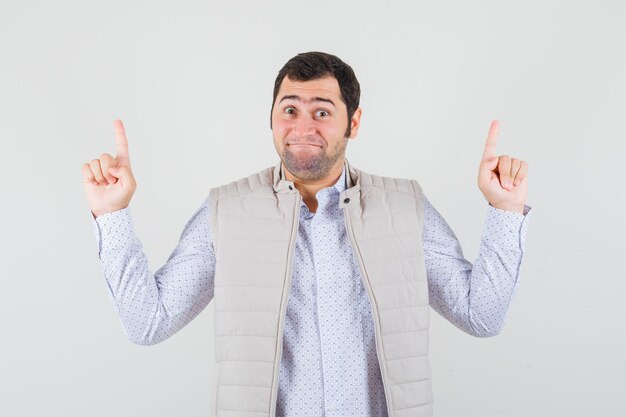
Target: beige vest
<point>254,228</point>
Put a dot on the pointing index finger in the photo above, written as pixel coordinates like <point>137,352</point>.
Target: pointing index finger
<point>492,140</point>
<point>121,143</point>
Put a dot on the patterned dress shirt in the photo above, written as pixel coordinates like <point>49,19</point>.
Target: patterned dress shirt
<point>329,365</point>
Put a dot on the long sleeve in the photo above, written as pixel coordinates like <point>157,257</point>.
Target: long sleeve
<point>475,298</point>
<point>152,307</point>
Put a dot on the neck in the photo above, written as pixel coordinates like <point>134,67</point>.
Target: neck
<point>309,188</point>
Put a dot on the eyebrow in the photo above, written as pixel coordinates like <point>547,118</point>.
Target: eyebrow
<point>298,98</point>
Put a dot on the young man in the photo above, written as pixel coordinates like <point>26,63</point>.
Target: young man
<point>322,275</point>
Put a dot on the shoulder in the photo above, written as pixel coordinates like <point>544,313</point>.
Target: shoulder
<point>373,183</point>
<point>258,182</point>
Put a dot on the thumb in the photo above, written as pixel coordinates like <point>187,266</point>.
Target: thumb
<point>120,172</point>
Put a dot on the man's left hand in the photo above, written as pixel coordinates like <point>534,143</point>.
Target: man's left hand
<point>502,180</point>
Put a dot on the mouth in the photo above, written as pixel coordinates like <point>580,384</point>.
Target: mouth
<point>304,145</point>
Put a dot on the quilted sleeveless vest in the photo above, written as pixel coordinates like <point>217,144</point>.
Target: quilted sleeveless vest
<point>254,228</point>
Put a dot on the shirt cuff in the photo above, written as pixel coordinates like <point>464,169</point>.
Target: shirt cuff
<point>506,229</point>
<point>113,230</point>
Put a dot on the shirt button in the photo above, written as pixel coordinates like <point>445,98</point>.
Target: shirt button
<point>347,200</point>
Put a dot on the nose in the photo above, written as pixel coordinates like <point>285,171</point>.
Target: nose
<point>304,126</point>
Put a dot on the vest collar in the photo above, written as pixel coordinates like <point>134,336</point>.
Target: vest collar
<point>352,193</point>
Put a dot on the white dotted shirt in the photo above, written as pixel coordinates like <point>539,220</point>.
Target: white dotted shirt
<point>329,365</point>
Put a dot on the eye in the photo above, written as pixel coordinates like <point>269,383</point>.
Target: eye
<point>289,110</point>
<point>322,113</point>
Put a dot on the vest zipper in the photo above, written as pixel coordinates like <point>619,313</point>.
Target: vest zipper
<point>368,287</point>
<point>287,291</point>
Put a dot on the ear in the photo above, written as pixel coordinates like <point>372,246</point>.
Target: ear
<point>355,123</point>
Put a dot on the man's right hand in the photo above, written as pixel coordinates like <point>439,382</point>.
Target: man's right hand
<point>109,182</point>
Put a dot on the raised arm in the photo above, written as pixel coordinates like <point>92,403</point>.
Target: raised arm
<point>151,307</point>
<point>476,297</point>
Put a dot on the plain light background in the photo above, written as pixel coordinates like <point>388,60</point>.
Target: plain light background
<point>192,82</point>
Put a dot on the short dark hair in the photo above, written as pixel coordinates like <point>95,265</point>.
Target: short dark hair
<point>313,65</point>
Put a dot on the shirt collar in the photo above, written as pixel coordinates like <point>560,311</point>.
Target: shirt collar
<point>340,185</point>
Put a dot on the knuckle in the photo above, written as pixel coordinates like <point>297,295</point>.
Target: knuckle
<point>86,170</point>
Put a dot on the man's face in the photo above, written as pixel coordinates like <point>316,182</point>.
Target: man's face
<point>309,121</point>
